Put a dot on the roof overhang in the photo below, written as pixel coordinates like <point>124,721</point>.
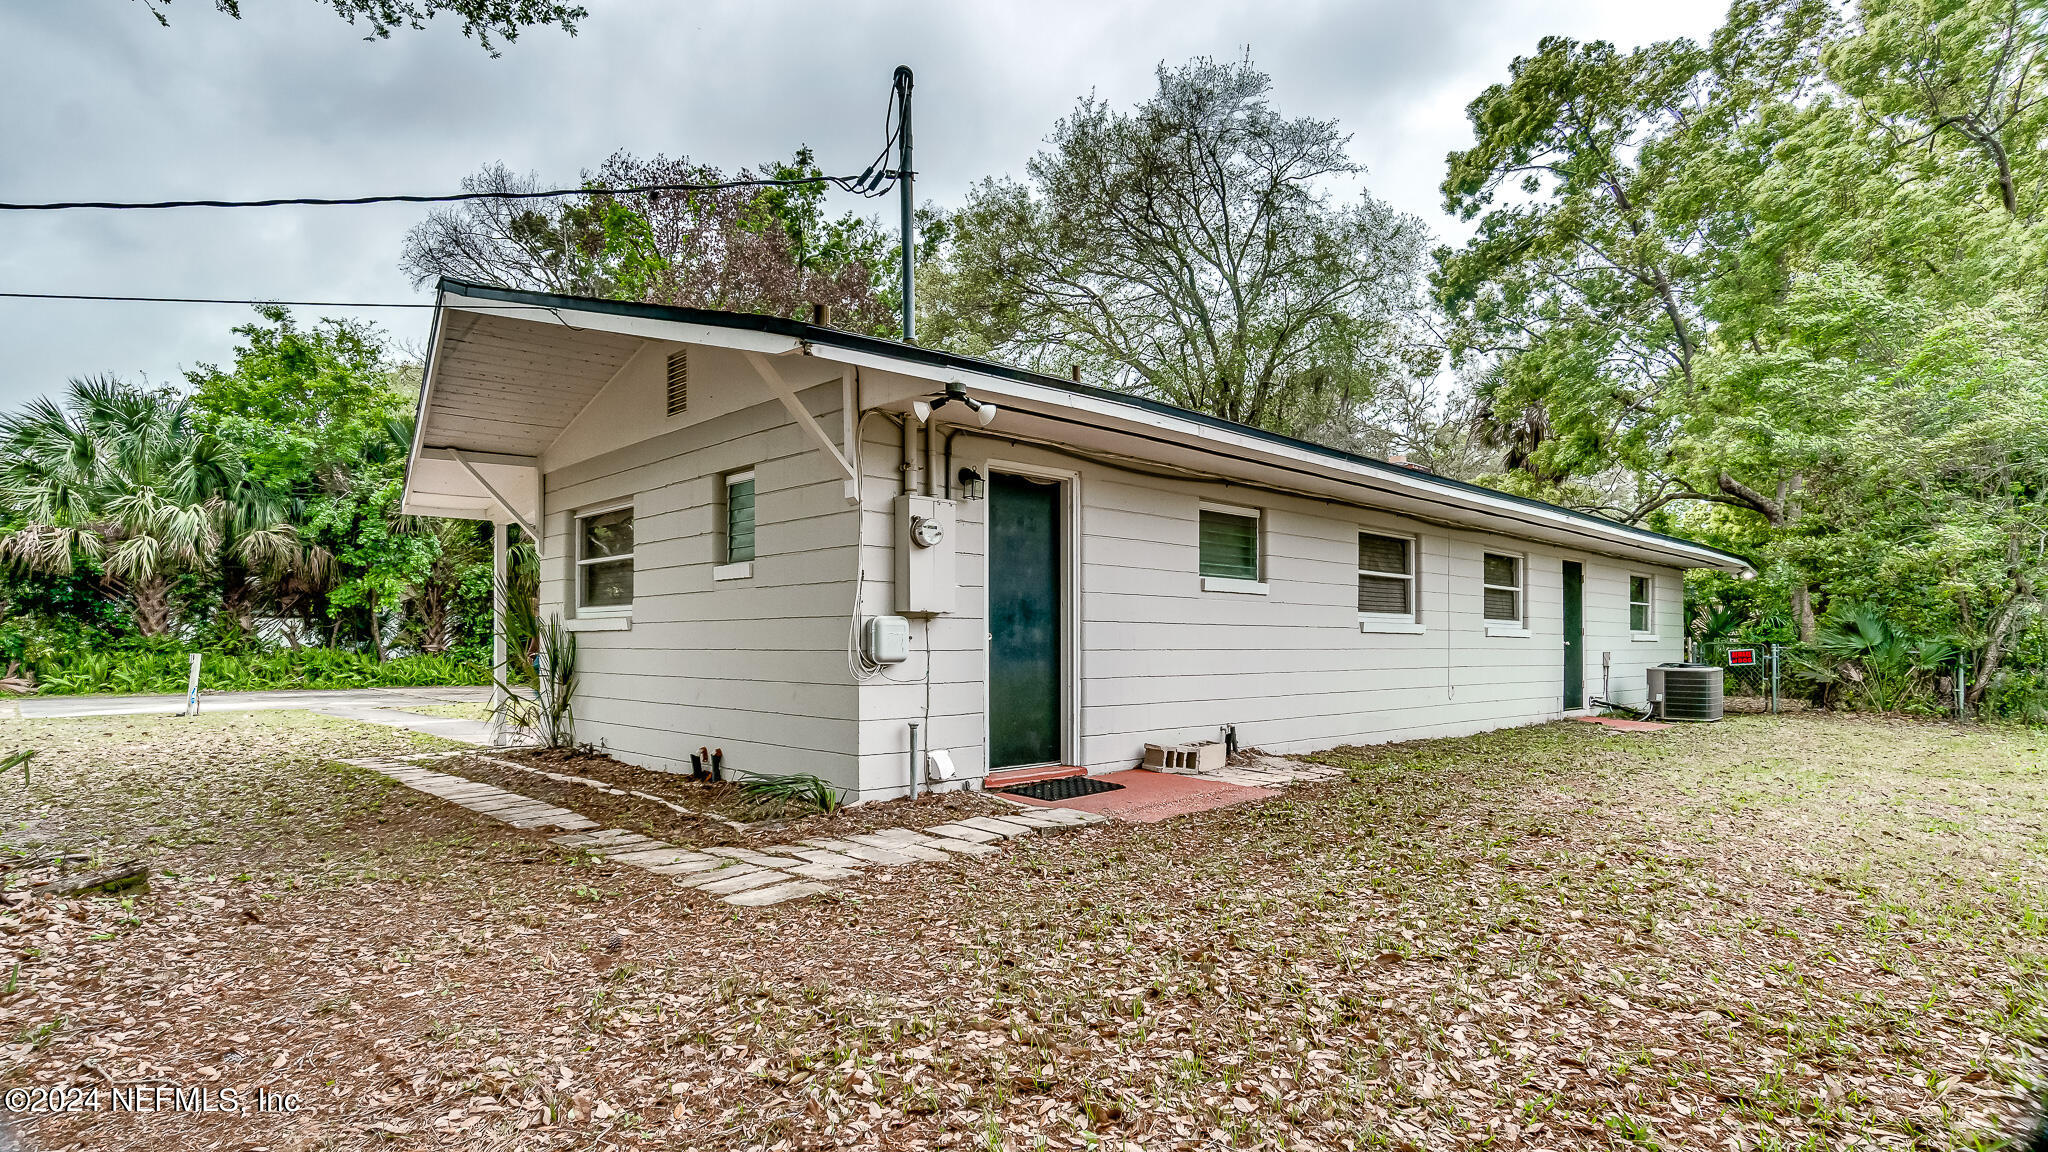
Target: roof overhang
<point>508,370</point>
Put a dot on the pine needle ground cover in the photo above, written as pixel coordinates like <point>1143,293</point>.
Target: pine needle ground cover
<point>1806,931</point>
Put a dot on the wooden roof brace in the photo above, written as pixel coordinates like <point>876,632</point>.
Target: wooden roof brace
<point>764,368</point>
<point>532,533</point>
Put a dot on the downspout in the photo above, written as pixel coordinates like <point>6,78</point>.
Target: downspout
<point>950,436</point>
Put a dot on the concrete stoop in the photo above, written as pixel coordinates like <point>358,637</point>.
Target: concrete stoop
<point>741,876</point>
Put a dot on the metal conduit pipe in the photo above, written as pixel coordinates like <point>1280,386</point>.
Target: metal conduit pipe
<point>907,472</point>
<point>915,749</point>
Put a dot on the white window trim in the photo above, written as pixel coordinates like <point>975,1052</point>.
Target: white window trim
<point>740,571</point>
<point>602,623</point>
<point>1232,584</point>
<point>577,563</point>
<point>1518,627</point>
<point>1648,635</point>
<point>1396,622</point>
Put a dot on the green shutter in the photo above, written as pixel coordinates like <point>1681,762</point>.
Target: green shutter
<point>739,521</point>
<point>1230,545</point>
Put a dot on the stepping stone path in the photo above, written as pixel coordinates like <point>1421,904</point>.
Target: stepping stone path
<point>746,877</point>
<point>484,799</point>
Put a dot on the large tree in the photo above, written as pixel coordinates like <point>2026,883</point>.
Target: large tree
<point>768,249</point>
<point>1762,287</point>
<point>323,415</point>
<point>1198,249</point>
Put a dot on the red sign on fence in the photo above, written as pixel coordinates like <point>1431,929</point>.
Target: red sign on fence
<point>1741,656</point>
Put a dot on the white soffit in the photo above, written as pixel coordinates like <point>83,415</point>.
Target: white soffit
<point>508,385</point>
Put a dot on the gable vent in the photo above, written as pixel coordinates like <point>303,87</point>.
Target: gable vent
<point>678,382</point>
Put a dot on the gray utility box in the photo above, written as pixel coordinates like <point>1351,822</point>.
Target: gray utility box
<point>924,556</point>
<point>1686,691</point>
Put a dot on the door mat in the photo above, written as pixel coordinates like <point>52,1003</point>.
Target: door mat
<point>1064,788</point>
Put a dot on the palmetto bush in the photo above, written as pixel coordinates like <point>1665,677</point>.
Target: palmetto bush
<point>1861,659</point>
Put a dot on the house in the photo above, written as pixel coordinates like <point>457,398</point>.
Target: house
<point>793,543</point>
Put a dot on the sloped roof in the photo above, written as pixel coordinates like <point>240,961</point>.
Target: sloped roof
<point>498,382</point>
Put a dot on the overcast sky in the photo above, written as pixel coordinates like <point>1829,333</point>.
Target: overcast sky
<point>101,103</point>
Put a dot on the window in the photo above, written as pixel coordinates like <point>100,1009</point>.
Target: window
<point>1386,576</point>
<point>1230,543</point>
<point>604,561</point>
<point>1642,592</point>
<point>739,517</point>
<point>1502,577</point>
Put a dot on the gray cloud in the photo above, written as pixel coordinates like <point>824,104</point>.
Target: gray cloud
<point>101,103</point>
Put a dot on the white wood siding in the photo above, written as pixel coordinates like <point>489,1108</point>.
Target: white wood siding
<point>758,666</point>
<point>1161,660</point>
<point>755,666</point>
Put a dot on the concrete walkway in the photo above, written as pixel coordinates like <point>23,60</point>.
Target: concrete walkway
<point>46,707</point>
<point>388,707</point>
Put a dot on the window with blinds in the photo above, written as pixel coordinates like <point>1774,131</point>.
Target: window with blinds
<point>1501,577</point>
<point>739,517</point>
<point>1230,544</point>
<point>678,382</point>
<point>1641,596</point>
<point>1386,576</point>
<point>604,561</point>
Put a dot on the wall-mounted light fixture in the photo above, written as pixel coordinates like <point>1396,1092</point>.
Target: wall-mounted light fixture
<point>954,391</point>
<point>972,485</point>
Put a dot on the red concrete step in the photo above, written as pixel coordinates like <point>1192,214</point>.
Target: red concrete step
<point>1619,724</point>
<point>1011,777</point>
<point>1148,797</point>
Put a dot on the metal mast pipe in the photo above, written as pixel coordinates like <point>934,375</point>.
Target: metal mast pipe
<point>906,178</point>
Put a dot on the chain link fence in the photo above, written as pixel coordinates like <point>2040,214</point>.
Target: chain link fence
<point>1791,677</point>
<point>1753,677</point>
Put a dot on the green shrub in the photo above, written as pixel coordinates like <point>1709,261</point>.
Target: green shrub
<point>133,668</point>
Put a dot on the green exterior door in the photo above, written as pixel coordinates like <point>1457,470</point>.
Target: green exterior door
<point>1574,634</point>
<point>1023,622</point>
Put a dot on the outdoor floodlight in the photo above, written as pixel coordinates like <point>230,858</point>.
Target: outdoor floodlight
<point>983,413</point>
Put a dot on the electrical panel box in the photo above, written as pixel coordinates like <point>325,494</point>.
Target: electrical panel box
<point>887,639</point>
<point>924,555</point>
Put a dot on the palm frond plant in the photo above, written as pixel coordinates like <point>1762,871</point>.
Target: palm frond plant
<point>798,789</point>
<point>125,477</point>
<point>537,691</point>
<point>1859,651</point>
<point>19,760</point>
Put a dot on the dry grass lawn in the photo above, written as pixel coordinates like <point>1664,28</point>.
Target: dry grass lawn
<point>1808,932</point>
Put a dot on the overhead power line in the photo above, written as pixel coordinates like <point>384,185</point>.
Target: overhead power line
<point>868,183</point>
<point>250,301</point>
<point>874,180</point>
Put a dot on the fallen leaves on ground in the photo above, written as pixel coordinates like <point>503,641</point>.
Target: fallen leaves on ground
<point>1805,931</point>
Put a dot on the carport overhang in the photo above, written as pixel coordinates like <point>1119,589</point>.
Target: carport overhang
<point>509,370</point>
